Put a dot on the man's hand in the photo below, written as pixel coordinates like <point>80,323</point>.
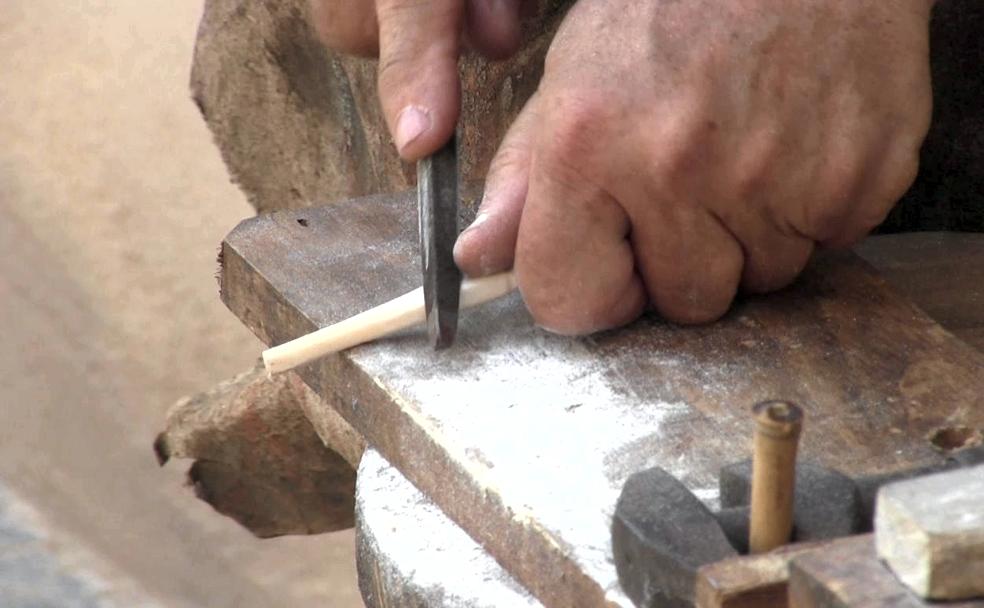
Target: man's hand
<point>418,44</point>
<point>676,151</point>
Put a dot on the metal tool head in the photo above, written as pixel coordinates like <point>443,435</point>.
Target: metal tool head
<point>437,201</point>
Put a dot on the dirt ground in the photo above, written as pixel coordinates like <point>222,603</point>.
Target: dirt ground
<point>112,203</point>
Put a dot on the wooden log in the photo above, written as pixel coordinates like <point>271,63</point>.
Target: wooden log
<point>847,574</point>
<point>930,531</point>
<point>524,438</point>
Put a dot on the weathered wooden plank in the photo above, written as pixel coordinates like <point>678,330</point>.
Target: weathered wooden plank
<point>847,574</point>
<point>941,272</point>
<point>524,438</point>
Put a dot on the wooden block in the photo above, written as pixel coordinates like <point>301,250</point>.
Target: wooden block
<point>848,574</point>
<point>750,581</point>
<point>525,438</point>
<point>930,531</point>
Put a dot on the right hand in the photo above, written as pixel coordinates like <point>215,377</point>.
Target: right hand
<point>418,44</point>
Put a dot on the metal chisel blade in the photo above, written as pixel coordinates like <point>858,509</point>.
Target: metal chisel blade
<point>437,202</point>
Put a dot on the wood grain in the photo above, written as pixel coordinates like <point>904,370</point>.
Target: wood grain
<point>749,581</point>
<point>524,438</point>
<point>847,574</point>
<point>941,272</point>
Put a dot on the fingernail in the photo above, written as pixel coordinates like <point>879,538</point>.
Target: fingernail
<point>460,243</point>
<point>479,220</point>
<point>412,122</point>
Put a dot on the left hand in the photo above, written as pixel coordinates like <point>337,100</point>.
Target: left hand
<point>677,151</point>
<point>418,43</point>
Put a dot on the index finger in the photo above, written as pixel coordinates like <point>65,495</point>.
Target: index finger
<point>419,89</point>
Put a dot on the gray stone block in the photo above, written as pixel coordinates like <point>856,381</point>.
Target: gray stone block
<point>930,531</point>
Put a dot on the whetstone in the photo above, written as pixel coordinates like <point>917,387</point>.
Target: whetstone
<point>930,531</point>
<point>524,438</point>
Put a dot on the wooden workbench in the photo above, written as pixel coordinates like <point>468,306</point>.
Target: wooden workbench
<point>524,438</point>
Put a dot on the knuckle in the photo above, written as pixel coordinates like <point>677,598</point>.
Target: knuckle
<point>554,60</point>
<point>408,11</point>
<point>827,211</point>
<point>551,312</point>
<point>577,121</point>
<point>568,315</point>
<point>899,176</point>
<point>565,298</point>
<point>679,153</point>
<point>766,280</point>
<point>555,321</point>
<point>844,225</point>
<point>509,157</point>
<point>917,118</point>
<point>842,178</point>
<point>700,291</point>
<point>753,169</point>
<point>772,270</point>
<point>694,300</point>
<point>394,67</point>
<point>824,219</point>
<point>694,309</point>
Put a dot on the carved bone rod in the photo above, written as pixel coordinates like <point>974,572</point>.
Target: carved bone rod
<point>399,313</point>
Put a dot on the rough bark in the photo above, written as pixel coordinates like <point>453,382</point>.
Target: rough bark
<point>298,124</point>
<point>257,458</point>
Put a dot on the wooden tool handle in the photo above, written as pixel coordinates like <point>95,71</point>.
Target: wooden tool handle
<point>400,313</point>
<point>778,425</point>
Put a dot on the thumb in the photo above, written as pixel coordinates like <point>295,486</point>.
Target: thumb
<point>419,89</point>
<point>488,246</point>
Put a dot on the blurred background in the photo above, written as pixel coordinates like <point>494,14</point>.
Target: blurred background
<point>113,201</point>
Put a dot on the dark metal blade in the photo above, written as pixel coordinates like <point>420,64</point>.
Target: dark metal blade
<point>437,201</point>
